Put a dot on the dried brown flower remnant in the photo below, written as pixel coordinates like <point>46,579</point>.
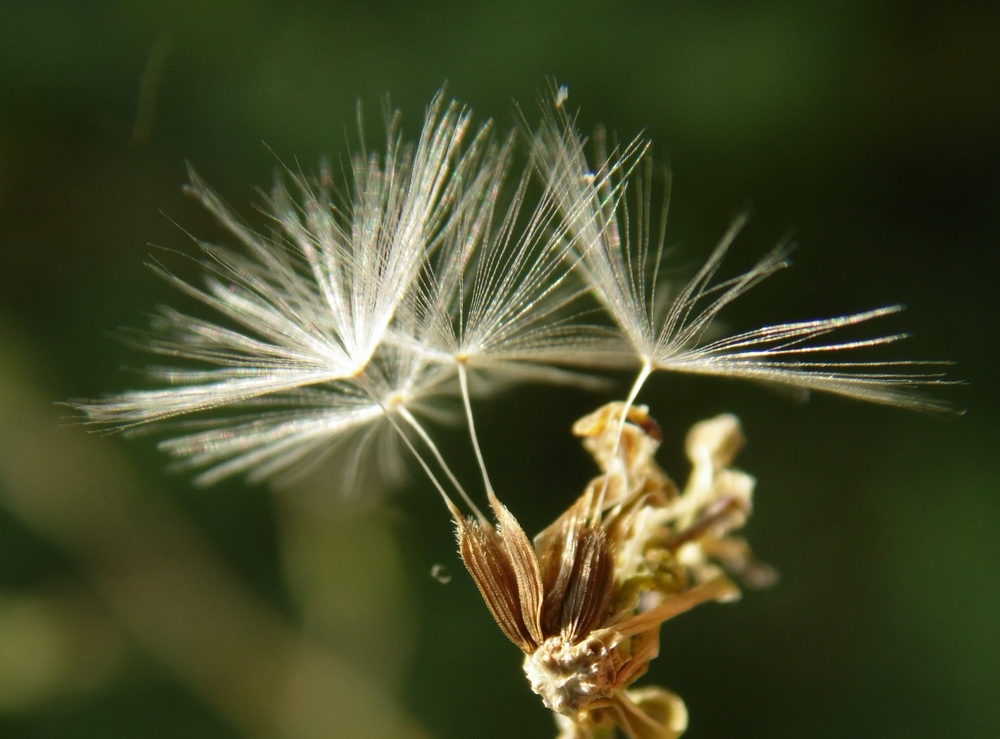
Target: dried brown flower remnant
<point>585,603</point>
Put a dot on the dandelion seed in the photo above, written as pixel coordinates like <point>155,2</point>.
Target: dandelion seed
<point>500,293</point>
<point>297,356</point>
<point>620,248</point>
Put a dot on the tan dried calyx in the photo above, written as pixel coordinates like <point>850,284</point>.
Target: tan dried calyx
<point>586,601</point>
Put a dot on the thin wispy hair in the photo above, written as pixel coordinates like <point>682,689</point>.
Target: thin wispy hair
<point>619,237</point>
<point>360,304</point>
<point>439,272</point>
<point>501,288</point>
<point>294,430</point>
<point>303,311</point>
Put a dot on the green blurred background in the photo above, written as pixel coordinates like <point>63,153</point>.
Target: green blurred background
<point>133,605</point>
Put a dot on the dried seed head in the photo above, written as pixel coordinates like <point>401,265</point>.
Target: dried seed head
<point>585,604</point>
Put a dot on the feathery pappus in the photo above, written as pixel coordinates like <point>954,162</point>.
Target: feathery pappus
<point>440,271</point>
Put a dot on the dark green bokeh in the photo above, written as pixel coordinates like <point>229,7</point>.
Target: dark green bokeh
<point>870,130</point>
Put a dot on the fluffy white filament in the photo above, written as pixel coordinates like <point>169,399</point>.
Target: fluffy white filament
<point>621,251</point>
<point>434,273</point>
